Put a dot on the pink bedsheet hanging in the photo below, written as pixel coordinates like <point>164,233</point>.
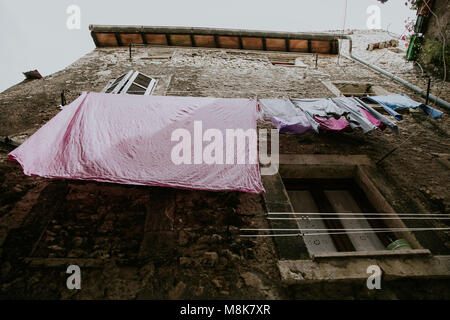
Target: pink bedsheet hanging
<point>127,139</point>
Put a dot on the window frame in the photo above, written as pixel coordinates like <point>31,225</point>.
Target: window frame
<point>358,168</point>
<point>132,79</point>
<point>127,81</point>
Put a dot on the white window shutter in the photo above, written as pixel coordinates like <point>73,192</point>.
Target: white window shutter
<point>122,82</point>
<point>110,83</point>
<point>132,82</point>
<point>139,84</point>
<point>115,85</point>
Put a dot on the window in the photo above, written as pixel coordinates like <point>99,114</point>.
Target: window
<point>355,89</point>
<point>336,199</point>
<point>132,82</point>
<point>329,196</point>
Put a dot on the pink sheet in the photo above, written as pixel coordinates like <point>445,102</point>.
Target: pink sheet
<point>373,120</point>
<point>127,139</point>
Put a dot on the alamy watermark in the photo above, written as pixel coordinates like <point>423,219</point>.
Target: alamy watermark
<point>74,280</point>
<point>374,280</point>
<point>235,146</point>
<point>374,19</point>
<point>73,21</point>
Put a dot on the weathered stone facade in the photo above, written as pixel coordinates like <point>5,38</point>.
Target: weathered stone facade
<point>437,39</point>
<point>141,242</point>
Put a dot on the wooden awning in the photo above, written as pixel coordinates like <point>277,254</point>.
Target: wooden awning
<point>114,36</point>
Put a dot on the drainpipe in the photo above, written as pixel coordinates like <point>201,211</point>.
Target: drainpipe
<point>416,89</point>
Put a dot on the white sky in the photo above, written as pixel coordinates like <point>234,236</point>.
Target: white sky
<point>34,34</point>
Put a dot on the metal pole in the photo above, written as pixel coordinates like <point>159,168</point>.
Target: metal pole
<point>428,90</point>
<point>63,98</point>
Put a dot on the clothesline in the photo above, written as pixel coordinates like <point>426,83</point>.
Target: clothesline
<point>339,229</point>
<point>347,231</point>
<point>365,218</point>
<point>341,114</point>
<point>358,216</point>
<point>357,213</point>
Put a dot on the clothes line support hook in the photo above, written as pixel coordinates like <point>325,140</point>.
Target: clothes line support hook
<point>129,47</point>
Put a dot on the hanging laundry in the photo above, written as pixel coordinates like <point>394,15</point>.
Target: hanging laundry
<point>397,116</point>
<point>129,139</point>
<point>324,108</point>
<point>285,116</point>
<point>354,115</point>
<point>378,116</point>
<point>402,101</point>
<point>377,123</point>
<point>340,114</point>
<point>332,124</point>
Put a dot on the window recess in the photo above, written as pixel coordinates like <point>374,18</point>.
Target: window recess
<point>312,193</point>
<point>132,82</point>
<point>336,196</point>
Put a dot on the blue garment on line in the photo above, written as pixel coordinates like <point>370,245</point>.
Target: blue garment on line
<point>379,116</point>
<point>402,101</point>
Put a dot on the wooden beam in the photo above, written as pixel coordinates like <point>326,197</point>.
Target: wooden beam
<point>335,46</point>
<point>94,37</point>
<point>216,31</point>
<point>119,42</point>
<point>118,31</point>
<point>216,40</point>
<point>144,39</point>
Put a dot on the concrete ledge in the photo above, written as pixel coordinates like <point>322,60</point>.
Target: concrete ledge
<point>277,200</point>
<point>372,254</point>
<point>324,159</point>
<point>313,166</point>
<point>355,269</point>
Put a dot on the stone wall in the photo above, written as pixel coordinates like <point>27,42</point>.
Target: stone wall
<point>194,251</point>
<point>437,30</point>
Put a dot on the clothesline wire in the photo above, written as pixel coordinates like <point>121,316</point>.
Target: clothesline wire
<point>399,229</point>
<point>301,234</point>
<point>365,218</point>
<point>397,147</point>
<point>257,97</point>
<point>356,213</point>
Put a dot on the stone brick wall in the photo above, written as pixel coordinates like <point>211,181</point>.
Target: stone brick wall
<point>437,30</point>
<point>196,257</point>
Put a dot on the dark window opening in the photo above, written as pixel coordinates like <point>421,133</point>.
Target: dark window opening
<point>355,89</point>
<point>338,196</point>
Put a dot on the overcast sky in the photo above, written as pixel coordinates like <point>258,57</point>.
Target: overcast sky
<point>34,34</point>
